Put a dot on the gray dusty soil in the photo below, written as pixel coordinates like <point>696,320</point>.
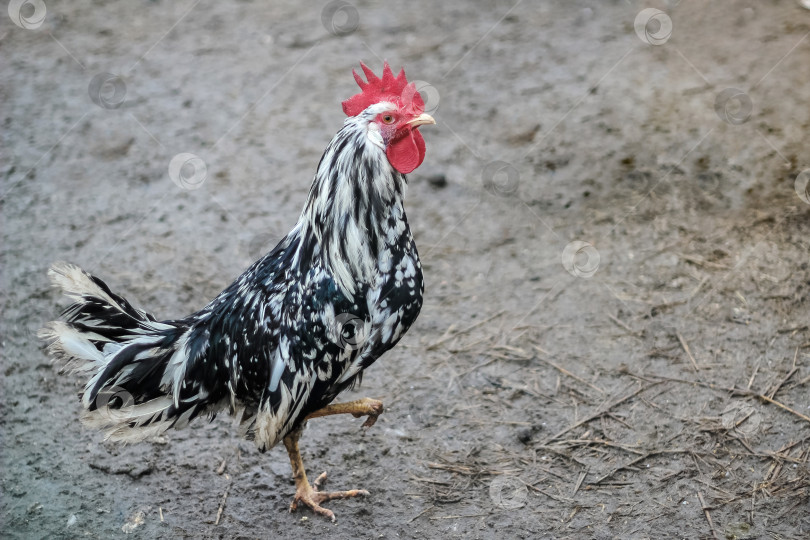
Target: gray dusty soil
<point>650,381</point>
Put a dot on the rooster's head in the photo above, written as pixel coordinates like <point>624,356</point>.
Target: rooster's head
<point>395,110</point>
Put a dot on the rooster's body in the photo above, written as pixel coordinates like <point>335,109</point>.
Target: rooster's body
<point>295,329</point>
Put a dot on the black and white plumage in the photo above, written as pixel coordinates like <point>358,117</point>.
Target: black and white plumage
<point>294,330</point>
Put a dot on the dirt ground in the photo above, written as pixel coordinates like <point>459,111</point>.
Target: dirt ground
<point>614,341</point>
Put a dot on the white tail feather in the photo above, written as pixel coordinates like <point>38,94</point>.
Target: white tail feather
<point>123,358</point>
<point>72,346</point>
<point>126,424</point>
<point>76,283</point>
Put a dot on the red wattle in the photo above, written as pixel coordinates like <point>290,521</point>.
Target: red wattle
<point>407,153</point>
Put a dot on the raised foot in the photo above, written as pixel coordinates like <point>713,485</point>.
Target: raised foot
<point>312,497</point>
<point>374,408</point>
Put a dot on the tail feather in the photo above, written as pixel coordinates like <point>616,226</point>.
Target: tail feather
<point>136,366</point>
<point>85,288</point>
<point>72,347</point>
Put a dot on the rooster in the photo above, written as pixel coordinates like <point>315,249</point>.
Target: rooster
<point>297,328</point>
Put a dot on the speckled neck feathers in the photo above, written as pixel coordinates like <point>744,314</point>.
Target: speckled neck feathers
<point>355,199</point>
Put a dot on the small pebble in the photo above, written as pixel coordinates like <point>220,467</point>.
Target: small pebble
<point>438,181</point>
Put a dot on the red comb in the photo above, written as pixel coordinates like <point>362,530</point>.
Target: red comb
<point>388,88</point>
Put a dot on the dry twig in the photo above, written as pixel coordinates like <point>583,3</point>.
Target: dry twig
<point>566,372</point>
<point>733,390</point>
<point>222,504</point>
<point>599,412</point>
<point>688,352</point>
<point>707,514</point>
<point>623,325</point>
<point>772,393</point>
<point>449,334</point>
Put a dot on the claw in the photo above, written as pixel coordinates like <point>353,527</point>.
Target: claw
<point>312,497</point>
<point>372,408</point>
<point>376,409</point>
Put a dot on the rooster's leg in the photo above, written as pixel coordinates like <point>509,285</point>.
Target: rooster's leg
<point>305,493</point>
<point>360,407</point>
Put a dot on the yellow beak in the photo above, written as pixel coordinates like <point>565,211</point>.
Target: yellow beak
<point>421,120</point>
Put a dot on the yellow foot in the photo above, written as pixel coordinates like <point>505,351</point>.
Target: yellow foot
<point>312,497</point>
<point>372,408</point>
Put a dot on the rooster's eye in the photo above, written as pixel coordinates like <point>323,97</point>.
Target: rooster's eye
<point>388,119</point>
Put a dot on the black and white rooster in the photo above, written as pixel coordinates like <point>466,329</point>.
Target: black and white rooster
<point>295,329</point>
